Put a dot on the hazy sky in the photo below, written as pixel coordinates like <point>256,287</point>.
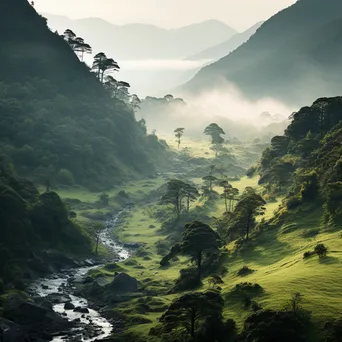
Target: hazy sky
<point>240,14</point>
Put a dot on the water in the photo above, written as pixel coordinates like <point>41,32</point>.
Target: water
<point>60,283</point>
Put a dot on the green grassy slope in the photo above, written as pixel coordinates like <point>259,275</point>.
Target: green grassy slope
<point>275,253</point>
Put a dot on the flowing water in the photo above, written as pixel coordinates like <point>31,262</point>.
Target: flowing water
<point>90,326</point>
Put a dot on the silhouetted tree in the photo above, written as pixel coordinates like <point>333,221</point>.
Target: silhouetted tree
<point>191,194</point>
<point>96,229</point>
<point>189,312</point>
<point>168,97</point>
<point>198,239</point>
<point>249,206</point>
<point>210,180</point>
<point>102,64</point>
<point>174,195</point>
<point>135,102</point>
<point>179,133</point>
<point>215,132</point>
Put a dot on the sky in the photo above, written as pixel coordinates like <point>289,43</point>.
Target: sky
<point>239,14</point>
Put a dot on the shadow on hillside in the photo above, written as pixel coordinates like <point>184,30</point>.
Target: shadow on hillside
<point>329,260</point>
<point>266,249</point>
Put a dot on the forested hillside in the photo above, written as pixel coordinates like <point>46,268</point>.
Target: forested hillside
<point>306,161</point>
<point>57,123</point>
<point>293,57</point>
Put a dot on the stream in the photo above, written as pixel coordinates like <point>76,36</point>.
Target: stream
<point>90,326</point>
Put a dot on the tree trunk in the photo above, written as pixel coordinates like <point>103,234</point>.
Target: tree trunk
<point>226,203</point>
<point>248,226</point>
<point>188,204</point>
<point>97,244</point>
<point>178,209</point>
<point>193,321</point>
<point>199,263</point>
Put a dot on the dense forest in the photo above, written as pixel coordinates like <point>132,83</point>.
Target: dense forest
<point>58,124</point>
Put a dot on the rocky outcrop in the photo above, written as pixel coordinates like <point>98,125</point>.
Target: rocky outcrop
<point>11,332</point>
<point>123,283</point>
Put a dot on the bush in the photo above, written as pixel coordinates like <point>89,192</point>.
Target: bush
<point>188,280</point>
<point>255,306</point>
<point>251,171</point>
<point>104,199</point>
<point>215,280</point>
<point>308,254</point>
<point>245,270</point>
<point>244,289</point>
<point>321,250</point>
<point>65,177</point>
<point>280,326</point>
<point>162,247</point>
<point>293,203</point>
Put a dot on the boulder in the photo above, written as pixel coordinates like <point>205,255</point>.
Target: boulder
<point>27,313</point>
<point>69,306</point>
<point>81,310</point>
<point>12,332</point>
<point>58,298</point>
<point>123,283</point>
<point>47,304</point>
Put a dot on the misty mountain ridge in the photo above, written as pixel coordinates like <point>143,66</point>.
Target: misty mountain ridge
<point>223,49</point>
<point>292,51</point>
<point>144,41</point>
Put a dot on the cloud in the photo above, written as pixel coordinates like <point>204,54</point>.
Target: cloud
<point>165,64</point>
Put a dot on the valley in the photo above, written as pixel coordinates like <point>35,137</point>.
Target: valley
<point>212,213</point>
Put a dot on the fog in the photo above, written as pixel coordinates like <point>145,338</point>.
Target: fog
<point>239,117</point>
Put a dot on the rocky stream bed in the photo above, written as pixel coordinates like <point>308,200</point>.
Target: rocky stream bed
<point>57,293</point>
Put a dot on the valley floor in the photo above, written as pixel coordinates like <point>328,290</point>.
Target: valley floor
<point>275,256</point>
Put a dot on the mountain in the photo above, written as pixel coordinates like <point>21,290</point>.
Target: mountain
<point>225,48</point>
<point>292,57</point>
<point>58,124</point>
<point>142,41</point>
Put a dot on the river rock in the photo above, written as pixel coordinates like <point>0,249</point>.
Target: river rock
<point>81,310</point>
<point>132,245</point>
<point>123,283</point>
<point>12,332</point>
<point>58,298</point>
<point>69,306</point>
<point>27,313</point>
<point>47,304</point>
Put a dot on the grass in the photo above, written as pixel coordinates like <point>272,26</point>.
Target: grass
<point>275,255</point>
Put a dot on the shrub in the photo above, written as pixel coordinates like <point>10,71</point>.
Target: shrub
<point>308,254</point>
<point>255,306</point>
<point>245,270</point>
<point>269,325</point>
<point>244,289</point>
<point>293,203</point>
<point>162,247</point>
<point>188,280</point>
<point>251,171</point>
<point>104,199</point>
<point>65,177</point>
<point>215,280</point>
<point>321,250</point>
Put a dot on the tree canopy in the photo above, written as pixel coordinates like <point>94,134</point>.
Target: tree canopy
<point>188,312</point>
<point>215,132</point>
